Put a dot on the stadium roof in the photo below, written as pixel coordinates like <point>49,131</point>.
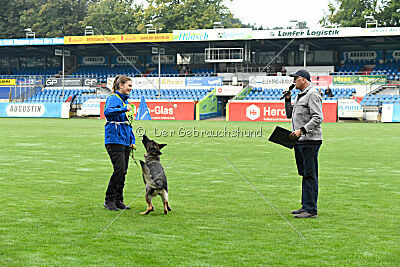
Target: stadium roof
<point>210,35</point>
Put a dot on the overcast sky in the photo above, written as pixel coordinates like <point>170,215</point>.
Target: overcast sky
<point>278,13</point>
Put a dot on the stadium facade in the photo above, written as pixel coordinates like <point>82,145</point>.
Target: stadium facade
<point>197,72</point>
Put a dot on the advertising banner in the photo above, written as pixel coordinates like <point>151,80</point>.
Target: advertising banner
<point>91,107</point>
<point>68,82</point>
<point>362,55</point>
<point>163,110</point>
<point>212,34</point>
<point>125,38</point>
<point>208,107</point>
<point>171,82</point>
<point>228,90</point>
<point>29,81</point>
<point>271,111</point>
<point>164,59</point>
<point>359,80</point>
<point>32,41</point>
<point>321,80</point>
<point>153,82</point>
<point>393,54</point>
<point>122,60</point>
<point>31,110</point>
<point>349,108</point>
<point>326,32</point>
<point>95,60</point>
<point>390,113</point>
<point>271,82</point>
<point>283,82</point>
<point>7,81</point>
<point>204,81</point>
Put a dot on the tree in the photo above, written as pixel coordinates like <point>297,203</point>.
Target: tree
<point>9,18</point>
<point>56,18</point>
<point>169,15</point>
<point>114,17</point>
<point>349,13</point>
<point>390,14</point>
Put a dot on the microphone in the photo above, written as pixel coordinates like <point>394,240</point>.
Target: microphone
<point>285,93</point>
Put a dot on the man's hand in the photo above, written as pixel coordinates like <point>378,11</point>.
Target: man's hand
<point>295,135</point>
<point>128,107</point>
<point>134,147</point>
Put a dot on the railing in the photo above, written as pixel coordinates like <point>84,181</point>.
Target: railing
<point>25,86</point>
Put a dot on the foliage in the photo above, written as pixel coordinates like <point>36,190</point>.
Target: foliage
<point>54,18</point>
<point>352,13</point>
<point>114,17</point>
<point>9,23</point>
<point>170,15</point>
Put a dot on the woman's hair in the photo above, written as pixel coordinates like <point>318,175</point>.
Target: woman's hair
<point>119,80</point>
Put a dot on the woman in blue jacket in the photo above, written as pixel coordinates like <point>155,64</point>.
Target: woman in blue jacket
<point>119,139</point>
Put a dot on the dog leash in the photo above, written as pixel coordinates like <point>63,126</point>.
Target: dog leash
<point>133,157</point>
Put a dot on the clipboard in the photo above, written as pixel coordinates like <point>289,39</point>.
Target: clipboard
<point>280,136</point>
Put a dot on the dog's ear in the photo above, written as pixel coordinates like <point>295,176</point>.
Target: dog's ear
<point>162,145</point>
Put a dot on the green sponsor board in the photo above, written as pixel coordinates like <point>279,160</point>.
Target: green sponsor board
<point>243,93</point>
<point>359,80</point>
<point>208,107</point>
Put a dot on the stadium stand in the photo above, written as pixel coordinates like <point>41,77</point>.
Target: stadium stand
<point>82,95</point>
<point>29,71</point>
<point>56,95</point>
<point>389,68</point>
<point>376,100</point>
<point>102,72</point>
<point>172,94</point>
<point>258,93</point>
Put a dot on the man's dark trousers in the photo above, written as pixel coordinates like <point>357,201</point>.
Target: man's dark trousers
<point>307,166</point>
<point>119,155</point>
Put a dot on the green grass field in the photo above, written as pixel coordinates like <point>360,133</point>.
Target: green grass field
<point>54,174</point>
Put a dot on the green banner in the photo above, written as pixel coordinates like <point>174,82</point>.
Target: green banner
<point>208,107</point>
<point>359,80</point>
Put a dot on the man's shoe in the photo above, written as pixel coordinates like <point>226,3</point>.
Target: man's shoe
<point>305,214</point>
<point>298,211</point>
<point>110,205</point>
<point>122,206</point>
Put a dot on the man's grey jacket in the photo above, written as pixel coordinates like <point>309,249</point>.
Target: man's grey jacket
<point>306,114</point>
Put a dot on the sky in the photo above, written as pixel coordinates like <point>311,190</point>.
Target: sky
<point>278,13</point>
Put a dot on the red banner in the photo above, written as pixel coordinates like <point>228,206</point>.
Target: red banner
<point>323,81</point>
<point>272,111</point>
<point>163,110</point>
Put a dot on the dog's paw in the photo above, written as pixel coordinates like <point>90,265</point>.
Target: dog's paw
<point>147,211</point>
<point>169,208</point>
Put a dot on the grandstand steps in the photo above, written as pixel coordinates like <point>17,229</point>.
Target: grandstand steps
<point>68,71</point>
<point>103,91</point>
<point>382,88</point>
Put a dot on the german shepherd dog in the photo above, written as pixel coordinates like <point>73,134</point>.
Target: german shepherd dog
<point>153,175</point>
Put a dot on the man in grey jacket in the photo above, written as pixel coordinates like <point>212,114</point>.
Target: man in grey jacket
<point>306,115</point>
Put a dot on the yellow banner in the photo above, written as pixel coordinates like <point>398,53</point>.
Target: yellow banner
<point>126,38</point>
<point>7,81</point>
